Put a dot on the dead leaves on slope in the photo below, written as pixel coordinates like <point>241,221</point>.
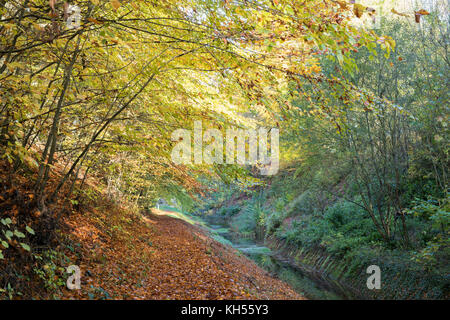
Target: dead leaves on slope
<point>160,257</point>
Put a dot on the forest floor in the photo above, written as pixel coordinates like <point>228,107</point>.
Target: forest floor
<point>155,256</point>
<point>123,252</point>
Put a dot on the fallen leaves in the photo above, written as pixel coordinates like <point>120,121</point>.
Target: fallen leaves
<point>161,257</point>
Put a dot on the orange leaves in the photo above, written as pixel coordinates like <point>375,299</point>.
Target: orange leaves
<point>399,13</point>
<point>420,13</point>
<point>52,4</point>
<point>115,4</point>
<point>36,213</point>
<point>342,4</point>
<point>94,21</point>
<point>164,259</point>
<point>130,255</point>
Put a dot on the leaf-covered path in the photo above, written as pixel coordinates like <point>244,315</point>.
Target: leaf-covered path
<point>155,256</point>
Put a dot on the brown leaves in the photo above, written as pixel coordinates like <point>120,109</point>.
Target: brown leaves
<point>420,13</point>
<point>342,4</point>
<point>417,17</point>
<point>94,21</point>
<point>115,4</point>
<point>417,14</point>
<point>161,257</point>
<point>399,13</point>
<point>358,10</point>
<point>36,213</point>
<point>53,13</point>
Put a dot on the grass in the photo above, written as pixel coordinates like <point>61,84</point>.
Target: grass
<point>178,214</point>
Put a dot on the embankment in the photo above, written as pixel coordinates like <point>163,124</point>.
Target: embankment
<point>349,277</point>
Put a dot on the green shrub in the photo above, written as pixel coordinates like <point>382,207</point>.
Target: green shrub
<point>246,220</point>
<point>303,204</point>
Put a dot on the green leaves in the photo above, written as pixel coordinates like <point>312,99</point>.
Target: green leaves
<point>8,234</point>
<point>25,246</point>
<point>6,221</point>
<point>29,230</point>
<point>201,63</point>
<point>19,234</point>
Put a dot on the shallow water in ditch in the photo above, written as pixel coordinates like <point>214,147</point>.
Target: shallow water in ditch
<point>311,287</point>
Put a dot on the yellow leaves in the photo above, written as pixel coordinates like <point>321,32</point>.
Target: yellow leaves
<point>31,162</point>
<point>37,27</point>
<point>135,5</point>
<point>388,41</point>
<point>94,21</point>
<point>9,26</point>
<point>358,9</point>
<point>13,66</point>
<point>342,4</point>
<point>311,67</point>
<point>95,2</point>
<point>115,4</point>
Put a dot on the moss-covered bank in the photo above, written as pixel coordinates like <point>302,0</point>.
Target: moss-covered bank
<point>349,277</point>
